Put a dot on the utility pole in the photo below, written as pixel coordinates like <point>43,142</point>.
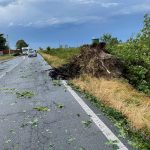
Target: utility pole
<point>8,44</point>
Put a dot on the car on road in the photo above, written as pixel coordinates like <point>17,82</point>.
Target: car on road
<point>32,53</point>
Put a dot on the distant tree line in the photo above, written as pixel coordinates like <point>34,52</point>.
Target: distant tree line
<point>4,45</point>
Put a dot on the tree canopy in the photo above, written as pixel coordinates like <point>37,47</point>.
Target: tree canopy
<point>111,41</point>
<point>20,44</point>
<point>3,42</point>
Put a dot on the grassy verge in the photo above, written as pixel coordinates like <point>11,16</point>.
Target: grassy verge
<point>136,138</point>
<point>123,103</point>
<point>127,106</point>
<point>119,95</point>
<point>54,61</point>
<point>63,53</point>
<point>6,57</point>
<point>59,56</point>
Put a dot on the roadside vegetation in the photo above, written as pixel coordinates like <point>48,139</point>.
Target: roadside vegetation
<point>59,56</point>
<point>4,46</point>
<point>135,55</point>
<point>6,57</point>
<point>126,99</point>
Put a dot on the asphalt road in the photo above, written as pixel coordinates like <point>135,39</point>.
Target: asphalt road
<point>46,116</point>
<point>7,65</point>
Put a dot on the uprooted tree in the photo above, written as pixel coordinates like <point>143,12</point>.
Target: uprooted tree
<point>93,60</point>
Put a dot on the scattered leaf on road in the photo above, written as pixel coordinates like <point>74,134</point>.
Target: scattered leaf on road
<point>42,108</point>
<point>24,125</point>
<point>87,123</point>
<point>71,140</point>
<point>81,148</point>
<point>34,122</point>
<point>60,106</point>
<point>25,94</point>
<point>50,147</point>
<point>56,82</point>
<point>8,141</point>
<point>113,143</point>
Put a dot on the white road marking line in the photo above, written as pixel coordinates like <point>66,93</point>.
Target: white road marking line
<point>1,76</point>
<point>100,124</point>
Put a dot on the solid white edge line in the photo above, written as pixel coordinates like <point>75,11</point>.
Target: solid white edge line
<point>100,124</point>
<point>1,76</point>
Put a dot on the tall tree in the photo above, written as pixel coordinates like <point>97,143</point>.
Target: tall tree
<point>3,42</point>
<point>20,44</point>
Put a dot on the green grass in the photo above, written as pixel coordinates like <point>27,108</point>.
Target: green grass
<point>64,53</point>
<point>6,57</point>
<point>57,57</point>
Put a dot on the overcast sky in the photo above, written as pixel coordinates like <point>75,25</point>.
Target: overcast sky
<point>45,23</point>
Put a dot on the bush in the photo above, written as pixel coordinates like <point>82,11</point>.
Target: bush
<point>16,54</point>
<point>135,54</point>
<point>48,48</point>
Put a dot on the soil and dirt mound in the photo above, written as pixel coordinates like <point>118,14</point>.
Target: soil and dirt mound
<point>93,60</point>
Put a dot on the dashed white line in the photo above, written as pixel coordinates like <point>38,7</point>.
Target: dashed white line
<point>100,124</point>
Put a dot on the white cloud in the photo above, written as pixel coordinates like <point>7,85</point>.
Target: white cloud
<point>57,21</point>
<point>84,1</point>
<point>138,8</point>
<point>107,5</point>
<point>40,13</point>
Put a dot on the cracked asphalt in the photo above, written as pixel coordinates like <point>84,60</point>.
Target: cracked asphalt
<point>65,126</point>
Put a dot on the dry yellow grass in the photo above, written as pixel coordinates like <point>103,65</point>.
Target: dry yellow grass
<point>121,96</point>
<point>5,57</point>
<point>54,61</point>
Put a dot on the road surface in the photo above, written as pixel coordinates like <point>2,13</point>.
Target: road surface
<point>37,113</point>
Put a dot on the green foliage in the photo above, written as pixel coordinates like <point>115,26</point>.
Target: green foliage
<point>48,49</point>
<point>113,144</point>
<point>135,54</point>
<point>87,123</point>
<point>109,40</point>
<point>59,105</point>
<point>3,41</point>
<point>42,108</point>
<point>20,44</point>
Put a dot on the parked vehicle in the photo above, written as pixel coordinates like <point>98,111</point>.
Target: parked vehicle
<point>25,50</point>
<point>32,53</point>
